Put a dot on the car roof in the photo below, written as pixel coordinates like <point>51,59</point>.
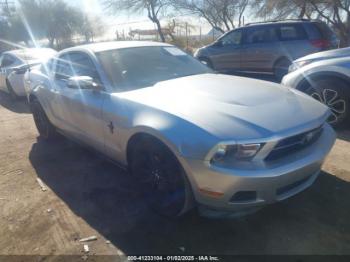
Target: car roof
<point>26,51</point>
<point>287,21</point>
<point>104,46</point>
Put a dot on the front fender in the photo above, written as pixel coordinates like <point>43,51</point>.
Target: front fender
<point>183,138</point>
<point>302,76</point>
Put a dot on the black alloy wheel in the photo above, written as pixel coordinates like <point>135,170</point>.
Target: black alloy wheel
<point>331,92</point>
<point>159,176</point>
<point>45,128</point>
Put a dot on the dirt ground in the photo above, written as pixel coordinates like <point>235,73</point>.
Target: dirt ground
<point>87,196</point>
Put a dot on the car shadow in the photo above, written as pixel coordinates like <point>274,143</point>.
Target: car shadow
<point>104,196</point>
<point>344,134</point>
<point>18,106</point>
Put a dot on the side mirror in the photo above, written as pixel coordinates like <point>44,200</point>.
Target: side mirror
<point>21,70</point>
<point>82,82</point>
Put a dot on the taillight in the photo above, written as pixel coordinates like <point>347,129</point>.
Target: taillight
<point>321,43</point>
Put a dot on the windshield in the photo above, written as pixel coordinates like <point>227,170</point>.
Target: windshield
<point>138,67</point>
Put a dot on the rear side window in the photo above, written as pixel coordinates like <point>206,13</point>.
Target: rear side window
<point>292,32</point>
<point>63,68</point>
<point>82,65</point>
<point>324,31</point>
<point>261,34</point>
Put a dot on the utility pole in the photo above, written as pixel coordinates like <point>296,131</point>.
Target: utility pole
<point>186,35</point>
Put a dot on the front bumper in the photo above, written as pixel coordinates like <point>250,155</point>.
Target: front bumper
<point>268,182</point>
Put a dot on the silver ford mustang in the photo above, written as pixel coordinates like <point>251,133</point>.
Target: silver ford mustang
<point>190,137</point>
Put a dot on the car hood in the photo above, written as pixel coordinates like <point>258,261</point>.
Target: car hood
<point>232,107</point>
<point>336,53</point>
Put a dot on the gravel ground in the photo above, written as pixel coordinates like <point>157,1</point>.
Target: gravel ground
<point>86,195</point>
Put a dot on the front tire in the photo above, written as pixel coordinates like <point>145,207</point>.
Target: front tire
<point>160,177</point>
<point>45,128</point>
<point>331,92</point>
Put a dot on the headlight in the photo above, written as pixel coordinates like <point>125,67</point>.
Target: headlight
<point>296,65</point>
<point>241,152</point>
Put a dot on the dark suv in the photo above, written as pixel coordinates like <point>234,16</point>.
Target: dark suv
<point>267,47</point>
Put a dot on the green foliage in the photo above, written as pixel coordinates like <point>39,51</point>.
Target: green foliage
<point>154,8</point>
<point>53,20</point>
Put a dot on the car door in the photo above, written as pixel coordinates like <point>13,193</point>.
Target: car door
<point>56,93</point>
<point>260,48</point>
<point>82,107</point>
<point>226,52</point>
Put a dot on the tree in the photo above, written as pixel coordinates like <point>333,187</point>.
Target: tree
<point>92,27</point>
<point>154,9</point>
<point>220,14</point>
<point>282,9</point>
<point>54,20</point>
<point>17,30</point>
<point>335,12</point>
<point>13,31</point>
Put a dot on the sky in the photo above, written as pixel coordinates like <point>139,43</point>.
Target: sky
<point>126,22</point>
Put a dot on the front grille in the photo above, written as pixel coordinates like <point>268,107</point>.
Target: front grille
<point>243,196</point>
<point>294,144</point>
<point>287,188</point>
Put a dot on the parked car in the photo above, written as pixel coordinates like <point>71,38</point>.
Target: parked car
<point>15,63</point>
<point>37,73</point>
<point>325,76</point>
<point>188,135</point>
<point>267,47</point>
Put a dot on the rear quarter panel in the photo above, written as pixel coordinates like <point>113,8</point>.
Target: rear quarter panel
<point>41,86</point>
<point>17,83</point>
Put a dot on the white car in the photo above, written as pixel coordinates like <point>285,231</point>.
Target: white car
<point>15,63</point>
<point>326,77</point>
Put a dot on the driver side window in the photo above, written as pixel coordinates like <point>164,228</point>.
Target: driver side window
<point>75,64</point>
<point>82,65</point>
<point>233,38</point>
<point>63,69</point>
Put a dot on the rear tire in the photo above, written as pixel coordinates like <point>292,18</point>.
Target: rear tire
<point>281,68</point>
<point>160,177</point>
<point>11,92</point>
<point>45,128</point>
<point>332,92</point>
